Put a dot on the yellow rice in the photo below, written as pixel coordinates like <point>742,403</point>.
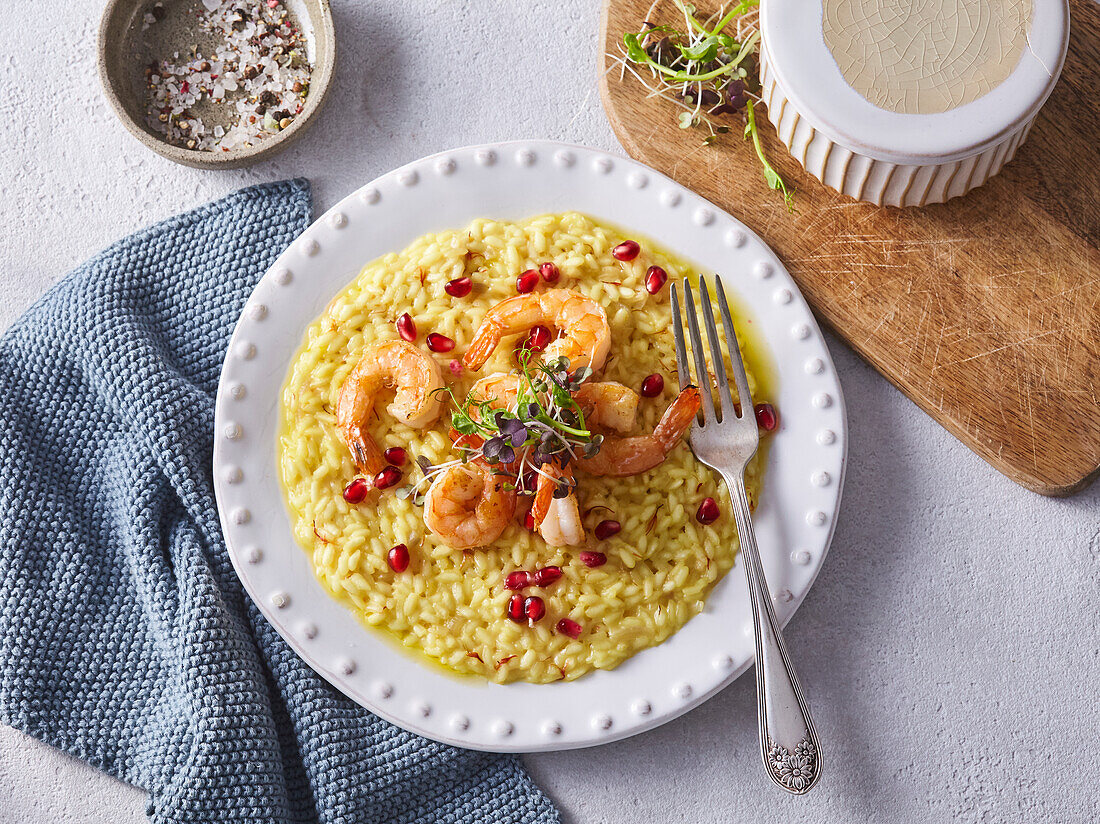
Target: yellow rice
<point>450,605</point>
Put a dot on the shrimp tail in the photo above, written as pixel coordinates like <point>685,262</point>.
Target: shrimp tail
<point>547,483</point>
<point>483,344</point>
<point>365,453</point>
<point>678,418</point>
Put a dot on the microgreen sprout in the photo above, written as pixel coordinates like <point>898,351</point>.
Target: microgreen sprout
<point>544,425</point>
<point>704,70</point>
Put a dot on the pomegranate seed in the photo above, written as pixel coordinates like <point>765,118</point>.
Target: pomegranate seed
<point>515,608</point>
<point>766,417</point>
<point>395,456</point>
<point>605,529</point>
<point>626,251</point>
<point>567,626</point>
<point>653,385</point>
<point>593,559</point>
<point>399,558</point>
<point>527,281</point>
<point>388,477</point>
<point>534,608</point>
<point>459,287</point>
<point>455,366</point>
<point>538,339</point>
<point>529,521</point>
<point>546,576</point>
<point>517,580</point>
<point>356,491</point>
<point>406,327</point>
<point>655,278</point>
<point>708,511</point>
<point>440,343</point>
<point>549,272</point>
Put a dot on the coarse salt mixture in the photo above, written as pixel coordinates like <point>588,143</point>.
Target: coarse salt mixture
<point>258,69</point>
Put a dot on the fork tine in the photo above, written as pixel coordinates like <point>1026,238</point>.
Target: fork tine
<point>717,359</point>
<point>738,364</point>
<point>700,358</point>
<point>682,370</point>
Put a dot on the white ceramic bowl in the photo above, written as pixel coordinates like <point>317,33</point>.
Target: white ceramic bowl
<point>865,114</point>
<point>794,521</point>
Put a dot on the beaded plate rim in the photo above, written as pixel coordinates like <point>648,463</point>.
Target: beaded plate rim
<point>795,519</point>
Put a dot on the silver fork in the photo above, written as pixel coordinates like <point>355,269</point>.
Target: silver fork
<point>726,443</point>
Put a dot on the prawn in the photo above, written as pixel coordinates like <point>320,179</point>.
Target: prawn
<point>585,337</point>
<point>396,365</point>
<point>500,389</point>
<point>637,453</point>
<point>469,505</point>
<point>607,405</point>
<point>558,519</point>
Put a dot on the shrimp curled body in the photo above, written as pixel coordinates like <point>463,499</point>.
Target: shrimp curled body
<point>468,505</point>
<point>500,389</point>
<point>633,454</point>
<point>607,405</point>
<point>585,334</point>
<point>396,365</point>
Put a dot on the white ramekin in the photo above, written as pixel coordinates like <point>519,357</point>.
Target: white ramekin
<point>890,158</point>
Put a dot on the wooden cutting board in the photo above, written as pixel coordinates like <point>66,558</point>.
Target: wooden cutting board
<point>984,310</point>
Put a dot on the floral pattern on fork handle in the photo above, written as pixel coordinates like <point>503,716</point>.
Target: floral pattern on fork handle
<point>787,738</point>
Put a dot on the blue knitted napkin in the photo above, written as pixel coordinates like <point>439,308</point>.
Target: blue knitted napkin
<point>125,637</point>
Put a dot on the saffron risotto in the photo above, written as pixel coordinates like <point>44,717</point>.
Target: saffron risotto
<point>450,605</point>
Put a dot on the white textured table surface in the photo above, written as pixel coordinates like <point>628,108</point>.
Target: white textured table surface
<point>950,647</point>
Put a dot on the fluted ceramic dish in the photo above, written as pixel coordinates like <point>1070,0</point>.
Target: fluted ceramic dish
<point>794,520</point>
<point>907,104</point>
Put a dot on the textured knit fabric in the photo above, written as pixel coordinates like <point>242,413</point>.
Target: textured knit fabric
<point>125,637</point>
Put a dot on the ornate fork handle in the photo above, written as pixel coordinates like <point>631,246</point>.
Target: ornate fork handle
<point>787,739</point>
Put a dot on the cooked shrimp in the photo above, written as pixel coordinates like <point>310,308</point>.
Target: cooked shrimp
<point>501,389</point>
<point>607,405</point>
<point>549,476</point>
<point>469,505</point>
<point>633,454</point>
<point>558,519</point>
<point>396,365</point>
<point>585,335</point>
<point>562,525</point>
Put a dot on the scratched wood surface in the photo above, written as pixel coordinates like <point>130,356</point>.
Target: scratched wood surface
<point>984,310</point>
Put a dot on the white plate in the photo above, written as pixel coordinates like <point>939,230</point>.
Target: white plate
<point>794,521</point>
